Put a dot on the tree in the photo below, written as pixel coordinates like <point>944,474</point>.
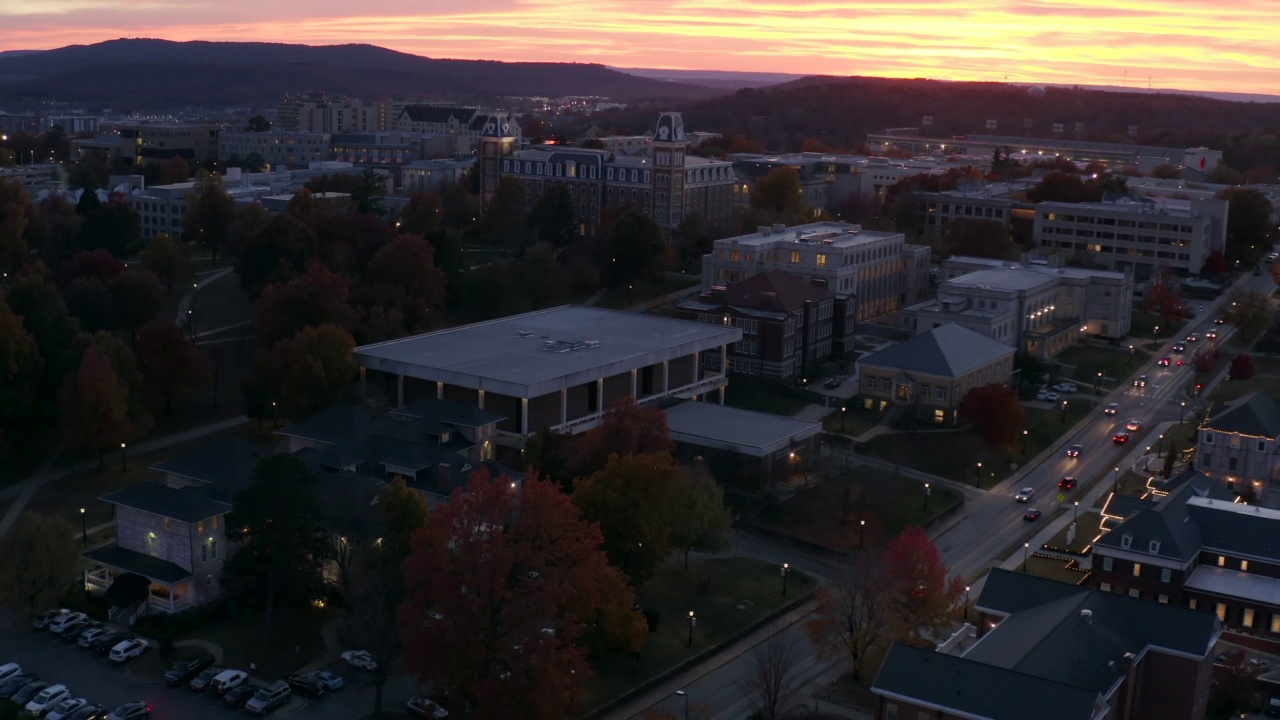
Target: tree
<point>137,298</point>
<point>1163,299</point>
<point>16,213</point>
<point>44,315</point>
<point>314,299</point>
<point>257,124</point>
<point>112,226</point>
<point>282,543</point>
<point>773,676</point>
<point>403,275</point>
<point>404,512</point>
<point>368,191</point>
<point>1249,228</point>
<point>41,555</point>
<point>544,280</point>
<point>926,598</point>
<point>176,169</point>
<point>553,219</point>
<point>697,518</point>
<point>369,619</point>
<point>165,258</point>
<point>506,219</point>
<point>547,453</point>
<point>1166,171</point>
<point>20,373</point>
<point>95,405</point>
<point>249,220</point>
<point>627,428</point>
<point>994,411</point>
<point>635,250</point>
<point>209,216</point>
<point>780,195</point>
<point>302,375</point>
<point>422,215</point>
<point>169,360</point>
<point>979,238</point>
<point>278,252</point>
<point>1249,312</point>
<point>693,237</point>
<point>500,589</point>
<point>855,613</point>
<point>1205,360</point>
<point>630,499</point>
<point>1242,367</point>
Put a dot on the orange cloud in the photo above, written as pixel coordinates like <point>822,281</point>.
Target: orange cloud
<point>1187,44</point>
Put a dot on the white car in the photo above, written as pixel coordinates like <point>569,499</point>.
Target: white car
<point>360,659</point>
<point>127,650</point>
<point>1133,425</point>
<point>89,636</point>
<point>1025,494</point>
<point>66,708</point>
<point>424,707</point>
<point>8,670</point>
<point>1042,393</point>
<point>1066,387</point>
<point>48,699</point>
<point>62,622</point>
<point>1111,408</point>
<point>327,679</point>
<point>1052,397</point>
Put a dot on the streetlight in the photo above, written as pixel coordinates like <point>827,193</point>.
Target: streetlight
<point>1155,334</point>
<point>1024,442</point>
<point>1026,552</point>
<point>978,479</point>
<point>1183,417</point>
<point>1160,446</point>
<point>786,570</point>
<point>966,602</point>
<point>685,695</point>
<point>124,459</point>
<point>862,532</point>
<point>842,410</point>
<point>1115,486</point>
<point>1064,412</point>
<point>926,496</point>
<point>693,620</point>
<point>1075,512</point>
<point>1130,354</point>
<point>84,529</point>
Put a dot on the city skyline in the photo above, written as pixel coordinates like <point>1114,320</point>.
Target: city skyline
<point>1173,44</point>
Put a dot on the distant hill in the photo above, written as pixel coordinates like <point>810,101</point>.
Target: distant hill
<point>153,74</point>
<point>725,79</point>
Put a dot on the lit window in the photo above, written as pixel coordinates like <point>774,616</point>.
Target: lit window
<point>1244,565</point>
<point>1221,611</point>
<point>1222,561</point>
<point>795,256</point>
<point>1163,598</point>
<point>1275,623</point>
<point>1137,569</point>
<point>1247,620</point>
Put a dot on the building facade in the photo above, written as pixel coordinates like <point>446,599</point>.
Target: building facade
<point>1237,446</point>
<point>318,112</point>
<point>468,124</point>
<point>159,142</point>
<point>276,148</point>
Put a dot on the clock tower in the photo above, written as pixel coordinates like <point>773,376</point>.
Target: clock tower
<point>669,147</point>
<point>496,143</point>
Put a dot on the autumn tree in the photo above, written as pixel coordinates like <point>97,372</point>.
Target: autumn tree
<point>635,250</point>
<point>175,170</point>
<point>112,226</point>
<point>780,196</point>
<point>302,375</point>
<point>627,428</point>
<point>314,299</point>
<point>1242,367</point>
<point>1164,299</point>
<point>630,499</point>
<point>169,360</point>
<point>547,453</point>
<point>403,276</point>
<point>1250,231</point>
<point>1249,312</point>
<point>20,372</point>
<point>95,405</point>
<point>926,597</point>
<point>137,298</point>
<point>1205,360</point>
<point>35,299</point>
<point>543,280</point>
<point>773,676</point>
<point>209,217</point>
<point>697,518</point>
<point>165,258</point>
<point>278,252</point>
<point>1063,187</point>
<point>248,221</point>
<point>278,527</point>
<point>501,587</point>
<point>994,411</point>
<point>978,238</point>
<point>404,512</point>
<point>41,555</point>
<point>552,219</point>
<point>16,216</point>
<point>855,613</point>
<point>422,215</point>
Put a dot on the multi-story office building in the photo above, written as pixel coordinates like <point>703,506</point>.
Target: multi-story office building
<point>276,148</point>
<point>872,274</point>
<point>464,122</point>
<point>158,143</point>
<point>161,208</point>
<point>317,112</point>
<point>430,175</point>
<point>668,186</point>
<point>75,124</point>
<point>829,180</point>
<point>627,144</point>
<point>1140,235</point>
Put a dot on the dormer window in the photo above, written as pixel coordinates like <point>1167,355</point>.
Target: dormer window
<point>1126,540</point>
<point>1154,546</point>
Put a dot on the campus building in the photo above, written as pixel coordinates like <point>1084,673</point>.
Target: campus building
<point>1237,445</point>
<point>159,142</point>
<point>276,148</point>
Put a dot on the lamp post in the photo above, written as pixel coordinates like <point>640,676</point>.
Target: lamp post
<point>1075,512</point>
<point>1115,485</point>
<point>1064,412</point>
<point>1183,416</point>
<point>124,458</point>
<point>1026,552</point>
<point>1160,447</point>
<point>926,497</point>
<point>862,532</point>
<point>842,411</point>
<point>1024,442</point>
<point>966,602</point>
<point>786,570</point>
<point>977,479</point>
<point>84,529</point>
<point>1131,355</point>
<point>693,620</point>
<point>273,414</point>
<point>685,695</point>
<point>1155,334</point>
<point>1097,387</point>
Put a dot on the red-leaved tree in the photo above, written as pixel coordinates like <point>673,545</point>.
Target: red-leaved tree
<point>1242,367</point>
<point>95,405</point>
<point>506,591</point>
<point>994,411</point>
<point>926,597</point>
<point>169,360</point>
<point>314,299</point>
<point>626,429</point>
<point>1205,361</point>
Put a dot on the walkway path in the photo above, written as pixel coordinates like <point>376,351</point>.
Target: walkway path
<point>184,305</point>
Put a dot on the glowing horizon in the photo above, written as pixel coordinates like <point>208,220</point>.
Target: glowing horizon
<point>1170,44</point>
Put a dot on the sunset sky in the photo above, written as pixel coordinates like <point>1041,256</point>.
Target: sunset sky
<point>1204,45</point>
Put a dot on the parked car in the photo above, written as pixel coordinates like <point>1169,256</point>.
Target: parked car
<point>201,682</point>
<point>1066,387</point>
<point>28,692</point>
<point>1134,424</point>
<point>66,708</point>
<point>1140,381</point>
<point>305,685</point>
<point>1025,494</point>
<point>1052,397</point>
<point>88,637</point>
<point>1111,409</point>
<point>833,383</point>
<point>1031,514</point>
<point>327,679</point>
<point>127,650</point>
<point>1074,450</point>
<point>183,670</point>
<point>424,707</point>
<point>108,640</point>
<point>269,698</point>
<point>41,621</point>
<point>360,659</point>
<point>1120,438</point>
<point>16,683</point>
<point>73,634</point>
<point>228,679</point>
<point>131,711</point>
<point>1042,394</point>
<point>92,711</point>
<point>239,695</point>
<point>1272,708</point>
<point>8,670</point>
<point>47,699</point>
<point>62,622</point>
<point>1067,483</point>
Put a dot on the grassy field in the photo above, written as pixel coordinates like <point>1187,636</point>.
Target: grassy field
<point>627,296</point>
<point>1266,380</point>
<point>1087,528</point>
<point>854,422</point>
<point>762,398</point>
<point>727,594</point>
<point>1052,568</point>
<point>1115,363</point>
<point>829,513</point>
<point>1142,327</point>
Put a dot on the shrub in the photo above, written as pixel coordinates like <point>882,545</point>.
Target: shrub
<point>652,616</point>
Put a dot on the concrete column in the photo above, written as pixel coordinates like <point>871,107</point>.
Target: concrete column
<point>400,390</point>
<point>564,405</point>
<point>480,399</point>
<point>599,395</point>
<point>722,389</point>
<point>363,394</point>
<point>439,389</point>
<point>724,360</point>
<point>524,416</point>
<point>633,384</point>
<point>666,377</point>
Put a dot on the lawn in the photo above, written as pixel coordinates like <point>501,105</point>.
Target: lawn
<point>853,423</point>
<point>763,398</point>
<point>829,514</point>
<point>1266,380</point>
<point>727,595</point>
<point>1142,327</point>
<point>644,291</point>
<point>1087,528</point>
<point>1052,568</point>
<point>1115,363</point>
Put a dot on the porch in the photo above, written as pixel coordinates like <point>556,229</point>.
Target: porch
<point>137,584</point>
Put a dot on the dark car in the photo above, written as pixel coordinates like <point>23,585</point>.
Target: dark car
<point>202,681</point>
<point>1164,362</point>
<point>136,710</point>
<point>1120,438</point>
<point>239,695</point>
<point>108,640</point>
<point>41,621</point>
<point>1219,321</point>
<point>74,634</point>
<point>1179,347</point>
<point>183,670</point>
<point>28,692</point>
<point>71,631</point>
<point>1141,381</point>
<point>1031,514</point>
<point>16,683</point>
<point>89,712</point>
<point>1272,708</point>
<point>1067,483</point>
<point>1074,450</point>
<point>305,685</point>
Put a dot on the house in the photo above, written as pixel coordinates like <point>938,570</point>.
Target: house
<point>1058,651</point>
<point>738,443</point>
<point>931,372</point>
<point>786,325</point>
<point>1236,445</point>
<point>1200,548</point>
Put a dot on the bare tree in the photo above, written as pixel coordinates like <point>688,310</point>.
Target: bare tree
<point>772,678</point>
<point>369,622</point>
<point>855,613</point>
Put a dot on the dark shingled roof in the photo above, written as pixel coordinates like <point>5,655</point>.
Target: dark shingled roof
<point>1232,528</point>
<point>791,292</point>
<point>432,114</point>
<point>948,350</point>
<point>1178,534</point>
<point>985,691</point>
<point>1255,414</point>
<point>1006,592</point>
<point>186,505</point>
<point>220,460</point>
<point>161,571</point>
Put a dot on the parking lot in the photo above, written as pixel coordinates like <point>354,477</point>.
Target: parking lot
<point>99,680</point>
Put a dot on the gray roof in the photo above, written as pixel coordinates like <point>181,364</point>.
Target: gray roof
<point>1234,528</point>
<point>744,431</point>
<point>434,114</point>
<point>186,505</point>
<point>452,413</point>
<point>537,352</point>
<point>218,460</point>
<point>1255,414</point>
<point>1006,592</point>
<point>981,690</point>
<point>1004,279</point>
<point>337,424</point>
<point>948,350</point>
<point>161,571</point>
<point>1178,526</point>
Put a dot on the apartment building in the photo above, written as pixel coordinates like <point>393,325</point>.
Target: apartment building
<point>276,148</point>
<point>318,112</point>
<point>1237,445</point>
<point>159,142</point>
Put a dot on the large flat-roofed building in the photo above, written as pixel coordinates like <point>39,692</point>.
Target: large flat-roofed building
<point>276,148</point>
<point>159,142</point>
<point>732,440</point>
<point>557,369</point>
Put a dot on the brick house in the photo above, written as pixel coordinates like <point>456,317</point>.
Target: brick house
<point>786,324</point>
<point>1236,444</point>
<point>1057,651</point>
<point>1199,548</point>
<point>932,371</point>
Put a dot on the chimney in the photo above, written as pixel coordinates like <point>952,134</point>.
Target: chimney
<point>1087,616</point>
<point>779,227</point>
<point>762,229</point>
<point>444,478</point>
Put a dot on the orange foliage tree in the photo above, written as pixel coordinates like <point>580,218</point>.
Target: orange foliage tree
<point>627,428</point>
<point>994,411</point>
